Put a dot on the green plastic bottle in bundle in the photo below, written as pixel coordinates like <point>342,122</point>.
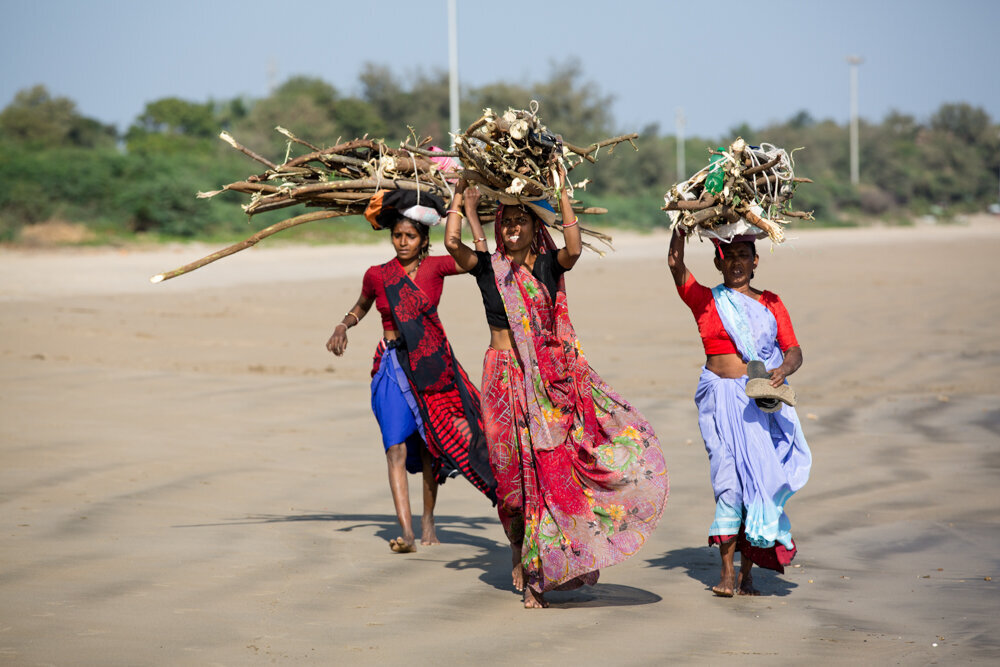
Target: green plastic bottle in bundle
<point>716,178</point>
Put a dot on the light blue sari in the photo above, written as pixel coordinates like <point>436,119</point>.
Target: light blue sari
<point>757,459</point>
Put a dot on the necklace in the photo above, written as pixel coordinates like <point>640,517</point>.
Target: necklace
<point>412,272</point>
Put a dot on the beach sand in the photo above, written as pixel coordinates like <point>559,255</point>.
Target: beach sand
<point>187,476</point>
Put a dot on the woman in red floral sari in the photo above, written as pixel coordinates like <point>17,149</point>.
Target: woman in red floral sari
<point>427,408</point>
<point>581,480</point>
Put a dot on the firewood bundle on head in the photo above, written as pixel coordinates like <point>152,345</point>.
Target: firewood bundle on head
<point>340,179</point>
<point>337,181</point>
<point>743,190</point>
<point>514,159</point>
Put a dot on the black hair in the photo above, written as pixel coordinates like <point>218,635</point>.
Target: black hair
<point>422,229</point>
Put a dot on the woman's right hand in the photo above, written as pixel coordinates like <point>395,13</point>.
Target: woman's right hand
<point>338,341</point>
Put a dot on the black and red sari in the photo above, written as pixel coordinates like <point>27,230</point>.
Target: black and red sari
<point>449,403</point>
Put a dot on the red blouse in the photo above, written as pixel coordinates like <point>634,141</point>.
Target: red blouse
<point>430,279</point>
<point>713,334</point>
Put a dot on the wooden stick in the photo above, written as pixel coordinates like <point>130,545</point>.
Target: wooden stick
<point>772,229</point>
<point>762,167</point>
<point>717,211</point>
<point>296,139</point>
<point>691,204</point>
<point>243,245</point>
<point>228,138</point>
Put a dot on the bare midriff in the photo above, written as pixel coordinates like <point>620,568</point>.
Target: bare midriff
<point>729,366</point>
<point>501,339</point>
<point>389,334</point>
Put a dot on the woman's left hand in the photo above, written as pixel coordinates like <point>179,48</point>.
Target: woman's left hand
<point>778,376</point>
<point>557,175</point>
<point>792,362</point>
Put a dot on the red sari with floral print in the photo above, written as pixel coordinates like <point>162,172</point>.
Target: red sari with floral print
<point>581,480</point>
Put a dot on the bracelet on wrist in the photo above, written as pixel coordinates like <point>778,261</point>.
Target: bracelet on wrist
<point>453,210</point>
<point>571,224</point>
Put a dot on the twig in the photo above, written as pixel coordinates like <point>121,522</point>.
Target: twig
<point>243,245</point>
<point>228,138</point>
<point>762,167</point>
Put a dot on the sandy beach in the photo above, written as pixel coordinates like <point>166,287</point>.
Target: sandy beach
<point>187,476</point>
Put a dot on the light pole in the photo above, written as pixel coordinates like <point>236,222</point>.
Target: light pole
<point>854,61</point>
<point>679,119</point>
<point>453,67</point>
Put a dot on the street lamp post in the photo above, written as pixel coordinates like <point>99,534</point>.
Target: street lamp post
<point>679,119</point>
<point>854,61</point>
<point>453,66</point>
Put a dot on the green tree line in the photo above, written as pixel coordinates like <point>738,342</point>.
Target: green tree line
<point>56,164</point>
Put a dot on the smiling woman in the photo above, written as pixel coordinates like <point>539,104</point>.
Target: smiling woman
<point>426,407</point>
<point>581,481</point>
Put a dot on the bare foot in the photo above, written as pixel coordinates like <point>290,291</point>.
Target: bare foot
<point>428,534</point>
<point>517,573</point>
<point>724,588</point>
<point>401,546</point>
<point>533,600</point>
<point>745,585</point>
<point>518,577</point>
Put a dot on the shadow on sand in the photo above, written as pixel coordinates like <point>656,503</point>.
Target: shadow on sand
<point>702,564</point>
<point>493,561</point>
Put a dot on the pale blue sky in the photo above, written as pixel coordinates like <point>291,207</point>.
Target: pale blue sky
<point>724,62</point>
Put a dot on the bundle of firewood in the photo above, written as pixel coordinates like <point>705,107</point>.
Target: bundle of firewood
<point>341,178</point>
<point>514,154</point>
<point>743,190</point>
<point>338,181</point>
<point>514,158</point>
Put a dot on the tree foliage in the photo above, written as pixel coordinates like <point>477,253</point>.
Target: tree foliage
<point>57,163</point>
<point>36,118</point>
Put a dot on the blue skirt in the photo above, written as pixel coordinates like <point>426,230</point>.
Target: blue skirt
<point>396,409</point>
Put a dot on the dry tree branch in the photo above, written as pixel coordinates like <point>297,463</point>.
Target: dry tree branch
<point>228,138</point>
<point>247,243</point>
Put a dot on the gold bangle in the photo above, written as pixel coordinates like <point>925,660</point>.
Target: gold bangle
<point>357,320</point>
<point>452,210</point>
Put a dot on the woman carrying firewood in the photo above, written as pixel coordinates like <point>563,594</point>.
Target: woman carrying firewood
<point>581,480</point>
<point>757,453</point>
<point>426,407</point>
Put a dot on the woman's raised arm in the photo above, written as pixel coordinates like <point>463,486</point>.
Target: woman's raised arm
<point>675,257</point>
<point>571,226</point>
<point>471,198</point>
<point>464,256</point>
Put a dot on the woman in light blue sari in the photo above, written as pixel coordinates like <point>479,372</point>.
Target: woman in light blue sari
<point>757,453</point>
